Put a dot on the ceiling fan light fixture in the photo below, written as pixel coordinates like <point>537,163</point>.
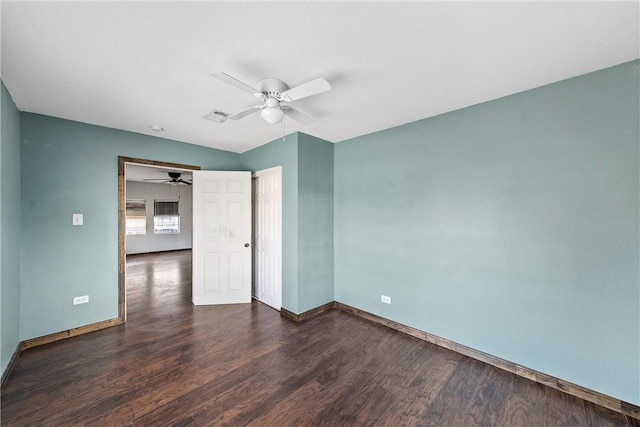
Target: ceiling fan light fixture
<point>272,115</point>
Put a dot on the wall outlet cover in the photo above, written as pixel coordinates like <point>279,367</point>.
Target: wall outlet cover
<point>81,300</point>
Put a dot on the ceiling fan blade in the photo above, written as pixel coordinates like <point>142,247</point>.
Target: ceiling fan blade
<point>298,116</point>
<point>154,179</point>
<point>313,87</point>
<point>244,113</point>
<point>182,181</point>
<point>234,82</point>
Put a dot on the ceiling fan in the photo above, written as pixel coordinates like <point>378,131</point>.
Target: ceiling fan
<point>174,179</point>
<point>275,96</point>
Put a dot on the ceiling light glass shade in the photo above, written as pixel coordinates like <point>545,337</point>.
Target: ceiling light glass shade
<point>272,115</point>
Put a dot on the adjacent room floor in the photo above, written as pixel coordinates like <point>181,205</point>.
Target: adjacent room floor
<point>176,364</point>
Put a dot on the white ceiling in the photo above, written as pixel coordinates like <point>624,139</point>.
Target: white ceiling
<point>129,65</point>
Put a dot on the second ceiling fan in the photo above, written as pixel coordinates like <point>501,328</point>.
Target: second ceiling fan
<point>275,96</point>
<point>174,179</point>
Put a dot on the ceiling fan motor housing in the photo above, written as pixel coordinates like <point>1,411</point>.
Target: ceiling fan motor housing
<point>271,92</point>
<point>272,88</point>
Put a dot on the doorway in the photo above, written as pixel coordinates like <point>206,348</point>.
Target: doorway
<point>122,203</point>
<point>267,247</point>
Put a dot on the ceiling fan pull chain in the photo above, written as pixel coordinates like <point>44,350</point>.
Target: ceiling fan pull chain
<point>284,129</point>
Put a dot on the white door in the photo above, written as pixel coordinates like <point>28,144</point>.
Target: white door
<point>221,237</point>
<point>267,234</point>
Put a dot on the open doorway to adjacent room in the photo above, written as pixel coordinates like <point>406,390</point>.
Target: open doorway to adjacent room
<point>154,234</point>
<point>154,257</point>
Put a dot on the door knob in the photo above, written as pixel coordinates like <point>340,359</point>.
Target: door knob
<point>246,245</point>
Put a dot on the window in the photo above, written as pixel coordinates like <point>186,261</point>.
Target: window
<point>166,217</point>
<point>136,217</point>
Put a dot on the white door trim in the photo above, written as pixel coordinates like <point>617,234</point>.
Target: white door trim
<point>269,171</point>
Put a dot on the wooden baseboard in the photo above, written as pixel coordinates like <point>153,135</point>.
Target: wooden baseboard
<point>593,396</point>
<point>10,365</point>
<point>289,314</point>
<point>35,342</point>
<point>307,314</point>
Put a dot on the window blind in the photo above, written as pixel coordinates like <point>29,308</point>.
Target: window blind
<point>165,208</point>
<point>135,208</point>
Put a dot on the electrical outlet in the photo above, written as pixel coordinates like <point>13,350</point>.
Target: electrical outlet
<point>385,299</point>
<point>81,300</point>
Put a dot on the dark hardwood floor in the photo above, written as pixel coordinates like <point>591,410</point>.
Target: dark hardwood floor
<point>176,364</point>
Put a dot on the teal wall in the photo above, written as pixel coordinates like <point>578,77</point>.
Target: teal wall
<point>315,222</point>
<point>10,226</point>
<point>283,152</point>
<point>511,227</point>
<point>307,216</point>
<point>70,167</point>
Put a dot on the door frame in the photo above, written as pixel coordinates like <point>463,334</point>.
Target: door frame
<point>122,203</point>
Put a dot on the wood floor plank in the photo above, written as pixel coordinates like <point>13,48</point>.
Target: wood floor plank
<point>276,366</point>
<point>526,405</point>
<point>563,409</point>
<point>493,397</point>
<point>462,392</point>
<point>323,385</point>
<point>598,416</point>
<point>176,364</point>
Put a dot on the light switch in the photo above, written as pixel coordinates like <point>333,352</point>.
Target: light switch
<point>78,219</point>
